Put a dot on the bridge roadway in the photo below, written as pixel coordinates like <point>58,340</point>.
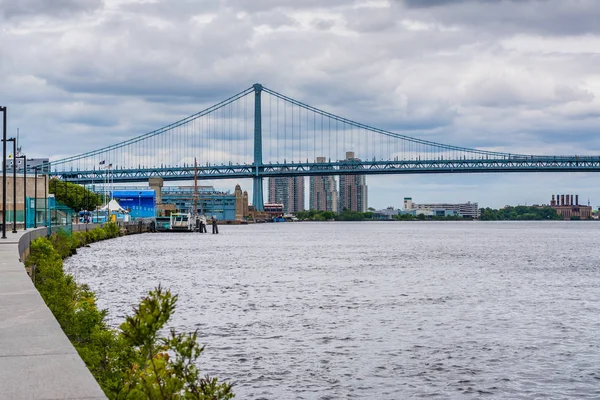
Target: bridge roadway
<point>514,163</point>
<point>37,360</point>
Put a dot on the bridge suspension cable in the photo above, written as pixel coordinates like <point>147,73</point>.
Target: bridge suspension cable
<point>259,132</point>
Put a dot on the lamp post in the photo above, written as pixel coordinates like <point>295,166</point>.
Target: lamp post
<point>24,190</point>
<point>35,198</point>
<point>3,109</point>
<point>14,188</point>
<point>46,199</point>
<point>14,184</point>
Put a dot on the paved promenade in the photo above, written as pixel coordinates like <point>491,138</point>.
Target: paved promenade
<point>37,361</point>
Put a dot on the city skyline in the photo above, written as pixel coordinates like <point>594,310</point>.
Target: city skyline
<point>510,76</point>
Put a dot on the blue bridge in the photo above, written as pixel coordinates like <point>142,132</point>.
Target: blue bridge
<point>261,133</point>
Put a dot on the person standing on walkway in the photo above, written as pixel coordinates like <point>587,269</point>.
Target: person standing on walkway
<point>214,225</point>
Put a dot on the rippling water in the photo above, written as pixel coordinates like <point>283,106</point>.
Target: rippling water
<point>375,310</point>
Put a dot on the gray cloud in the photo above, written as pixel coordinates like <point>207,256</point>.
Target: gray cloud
<point>518,76</point>
<point>548,17</point>
<point>54,8</point>
<point>432,3</point>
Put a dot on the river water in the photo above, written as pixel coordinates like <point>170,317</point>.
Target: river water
<point>390,310</point>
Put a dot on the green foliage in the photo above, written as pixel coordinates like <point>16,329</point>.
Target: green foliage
<point>346,215</point>
<point>156,374</point>
<point>422,217</point>
<point>134,362</point>
<point>519,213</point>
<point>74,196</point>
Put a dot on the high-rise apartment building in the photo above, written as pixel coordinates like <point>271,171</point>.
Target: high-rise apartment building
<point>323,192</point>
<point>353,189</point>
<point>287,191</point>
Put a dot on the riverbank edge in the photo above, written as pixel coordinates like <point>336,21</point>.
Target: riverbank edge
<point>64,245</point>
<point>38,360</point>
<point>133,361</point>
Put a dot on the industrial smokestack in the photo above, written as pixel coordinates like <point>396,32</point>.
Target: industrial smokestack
<point>576,199</point>
<point>562,199</point>
<point>571,202</point>
<point>552,203</point>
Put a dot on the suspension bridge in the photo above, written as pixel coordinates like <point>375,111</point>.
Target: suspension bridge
<point>261,133</point>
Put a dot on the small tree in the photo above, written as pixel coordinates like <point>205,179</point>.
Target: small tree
<point>165,367</point>
<point>73,196</point>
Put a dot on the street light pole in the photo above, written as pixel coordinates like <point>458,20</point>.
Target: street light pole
<point>24,191</point>
<point>3,109</point>
<point>14,184</point>
<point>46,199</point>
<point>35,198</point>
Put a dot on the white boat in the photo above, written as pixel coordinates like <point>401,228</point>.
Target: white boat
<point>181,222</point>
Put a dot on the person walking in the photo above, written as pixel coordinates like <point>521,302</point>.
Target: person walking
<point>215,228</point>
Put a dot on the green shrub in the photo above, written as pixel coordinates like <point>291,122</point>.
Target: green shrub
<point>134,362</point>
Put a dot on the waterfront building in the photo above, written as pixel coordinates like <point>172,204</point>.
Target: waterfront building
<point>467,210</point>
<point>30,204</point>
<point>140,203</point>
<point>209,201</point>
<point>569,208</point>
<point>167,199</point>
<point>353,188</point>
<point>32,163</point>
<point>432,212</point>
<point>273,210</point>
<point>287,191</point>
<point>323,192</point>
<point>385,214</point>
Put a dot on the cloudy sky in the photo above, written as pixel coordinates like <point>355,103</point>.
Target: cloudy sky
<point>518,76</point>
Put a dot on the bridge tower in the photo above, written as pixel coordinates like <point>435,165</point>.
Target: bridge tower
<point>257,197</point>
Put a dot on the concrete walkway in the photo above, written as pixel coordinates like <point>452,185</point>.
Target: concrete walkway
<point>37,360</point>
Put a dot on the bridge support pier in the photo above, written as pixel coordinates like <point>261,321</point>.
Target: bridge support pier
<point>257,195</point>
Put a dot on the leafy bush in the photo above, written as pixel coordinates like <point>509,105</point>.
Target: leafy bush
<point>134,362</point>
<point>519,213</point>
